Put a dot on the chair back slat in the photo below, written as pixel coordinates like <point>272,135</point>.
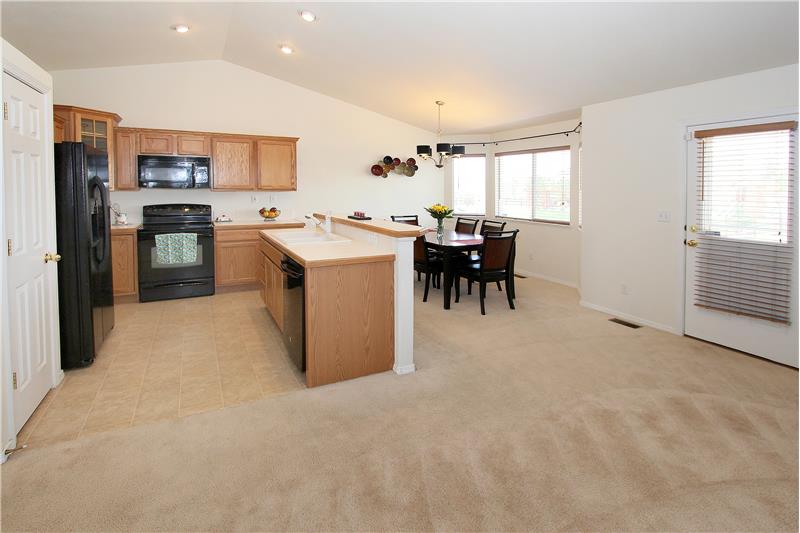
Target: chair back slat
<point>497,249</point>
<point>406,219</point>
<point>466,225</point>
<point>491,225</point>
<point>420,251</point>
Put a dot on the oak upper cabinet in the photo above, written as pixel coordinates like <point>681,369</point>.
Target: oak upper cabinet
<point>277,164</point>
<point>125,160</point>
<point>232,161</point>
<point>156,143</point>
<point>198,145</point>
<point>89,126</point>
<point>59,128</point>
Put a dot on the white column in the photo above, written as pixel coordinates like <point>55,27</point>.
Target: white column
<point>404,305</point>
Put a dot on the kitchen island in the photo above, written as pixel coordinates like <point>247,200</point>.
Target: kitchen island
<point>349,301</point>
<point>237,263</point>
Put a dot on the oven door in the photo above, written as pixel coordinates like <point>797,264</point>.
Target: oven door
<point>156,274</point>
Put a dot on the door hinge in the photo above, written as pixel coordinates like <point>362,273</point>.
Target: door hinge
<point>10,247</point>
<point>14,380</point>
<point>5,110</point>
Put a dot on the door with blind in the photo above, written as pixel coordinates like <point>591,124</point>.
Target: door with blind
<point>741,254</point>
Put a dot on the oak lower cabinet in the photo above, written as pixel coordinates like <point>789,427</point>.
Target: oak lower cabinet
<point>272,289</point>
<point>235,263</point>
<point>124,261</point>
<point>237,255</point>
<point>232,162</point>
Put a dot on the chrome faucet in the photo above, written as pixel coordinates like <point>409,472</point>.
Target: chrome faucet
<point>326,225</point>
<point>317,222</point>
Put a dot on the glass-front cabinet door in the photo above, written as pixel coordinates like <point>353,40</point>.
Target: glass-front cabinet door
<point>97,131</point>
<point>94,132</point>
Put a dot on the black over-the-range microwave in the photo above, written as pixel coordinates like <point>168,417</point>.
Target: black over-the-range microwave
<point>174,172</point>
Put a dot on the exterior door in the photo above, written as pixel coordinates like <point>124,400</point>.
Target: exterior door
<point>741,257</point>
<point>31,281</point>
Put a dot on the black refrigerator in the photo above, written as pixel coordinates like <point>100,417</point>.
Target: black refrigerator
<point>83,226</point>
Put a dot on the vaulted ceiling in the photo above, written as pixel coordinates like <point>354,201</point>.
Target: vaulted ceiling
<point>497,66</point>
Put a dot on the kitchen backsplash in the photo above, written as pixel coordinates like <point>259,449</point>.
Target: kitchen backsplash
<point>240,206</point>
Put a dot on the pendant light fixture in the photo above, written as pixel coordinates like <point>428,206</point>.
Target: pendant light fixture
<point>444,151</point>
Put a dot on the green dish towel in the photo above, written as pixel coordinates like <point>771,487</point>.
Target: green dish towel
<point>176,248</point>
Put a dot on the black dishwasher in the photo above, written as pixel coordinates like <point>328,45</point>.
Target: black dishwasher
<point>294,316</point>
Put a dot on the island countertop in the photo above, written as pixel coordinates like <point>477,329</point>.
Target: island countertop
<point>384,227</point>
<point>319,254</point>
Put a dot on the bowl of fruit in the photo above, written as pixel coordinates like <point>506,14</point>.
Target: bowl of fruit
<point>269,214</point>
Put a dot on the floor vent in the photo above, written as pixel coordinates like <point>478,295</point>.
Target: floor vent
<point>624,323</point>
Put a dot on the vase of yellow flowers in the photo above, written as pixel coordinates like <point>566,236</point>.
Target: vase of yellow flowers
<point>439,212</point>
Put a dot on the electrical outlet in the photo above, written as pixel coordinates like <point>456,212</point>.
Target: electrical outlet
<point>663,216</point>
<point>253,199</point>
<point>623,289</point>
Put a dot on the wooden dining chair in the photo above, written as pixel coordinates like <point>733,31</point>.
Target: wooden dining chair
<point>428,264</point>
<point>495,265</point>
<point>491,225</point>
<point>486,225</point>
<point>406,219</point>
<point>466,225</point>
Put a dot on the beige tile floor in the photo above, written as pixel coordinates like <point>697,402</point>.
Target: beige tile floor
<point>166,360</point>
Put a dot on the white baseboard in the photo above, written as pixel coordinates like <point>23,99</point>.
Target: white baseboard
<point>545,278</point>
<point>405,369</point>
<point>631,318</point>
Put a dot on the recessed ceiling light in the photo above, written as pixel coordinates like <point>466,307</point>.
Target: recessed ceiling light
<point>180,28</point>
<point>308,16</point>
<point>286,49</point>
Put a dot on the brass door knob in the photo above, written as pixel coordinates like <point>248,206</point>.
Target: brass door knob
<point>691,243</point>
<point>52,257</point>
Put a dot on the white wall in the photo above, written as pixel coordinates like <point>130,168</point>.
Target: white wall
<point>338,141</point>
<point>549,251</point>
<point>634,165</point>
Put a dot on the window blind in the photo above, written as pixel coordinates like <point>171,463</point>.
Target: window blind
<point>534,184</point>
<point>745,210</point>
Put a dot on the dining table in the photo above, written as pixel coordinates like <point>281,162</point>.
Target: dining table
<point>451,245</point>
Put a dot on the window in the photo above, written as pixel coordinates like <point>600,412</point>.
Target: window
<point>534,184</point>
<point>744,206</point>
<point>469,185</point>
<point>744,182</point>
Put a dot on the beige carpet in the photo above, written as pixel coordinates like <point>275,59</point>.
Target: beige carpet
<point>545,418</point>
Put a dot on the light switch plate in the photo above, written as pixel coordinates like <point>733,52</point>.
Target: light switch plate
<point>663,216</point>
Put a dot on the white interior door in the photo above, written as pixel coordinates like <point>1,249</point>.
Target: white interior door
<point>741,257</point>
<point>31,282</point>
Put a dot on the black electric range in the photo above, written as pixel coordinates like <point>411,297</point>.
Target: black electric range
<point>193,275</point>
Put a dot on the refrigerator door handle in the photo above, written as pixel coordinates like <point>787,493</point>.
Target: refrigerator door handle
<point>105,239</point>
